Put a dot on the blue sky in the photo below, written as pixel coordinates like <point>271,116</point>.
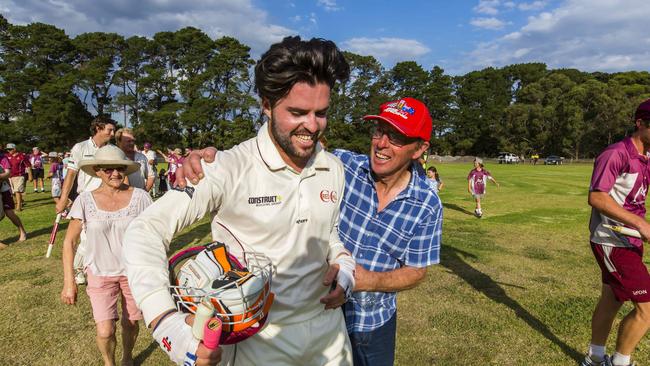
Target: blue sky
<point>459,36</point>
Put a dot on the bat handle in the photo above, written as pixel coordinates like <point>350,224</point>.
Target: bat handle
<point>212,333</point>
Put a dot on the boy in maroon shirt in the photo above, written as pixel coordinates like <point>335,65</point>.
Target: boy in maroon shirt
<point>19,166</point>
<point>617,194</point>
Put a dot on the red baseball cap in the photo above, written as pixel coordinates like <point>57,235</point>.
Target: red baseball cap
<point>408,115</point>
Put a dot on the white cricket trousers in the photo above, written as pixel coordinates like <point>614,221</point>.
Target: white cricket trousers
<point>322,340</point>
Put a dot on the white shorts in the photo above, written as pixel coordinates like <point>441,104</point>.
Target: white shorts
<point>322,340</point>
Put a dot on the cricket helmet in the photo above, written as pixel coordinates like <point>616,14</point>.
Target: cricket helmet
<point>238,286</point>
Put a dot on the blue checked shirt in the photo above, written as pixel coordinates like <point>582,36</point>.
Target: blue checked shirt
<point>407,232</point>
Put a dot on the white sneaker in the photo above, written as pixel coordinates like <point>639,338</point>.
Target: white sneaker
<point>79,277</point>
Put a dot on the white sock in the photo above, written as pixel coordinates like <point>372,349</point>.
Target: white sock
<point>620,360</point>
<point>596,352</point>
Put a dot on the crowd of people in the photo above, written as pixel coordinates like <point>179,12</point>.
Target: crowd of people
<point>345,231</point>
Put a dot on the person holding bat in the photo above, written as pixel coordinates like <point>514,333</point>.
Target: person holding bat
<point>104,214</point>
<point>617,194</point>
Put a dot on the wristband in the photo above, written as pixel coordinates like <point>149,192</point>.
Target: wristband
<point>345,277</point>
<point>175,338</point>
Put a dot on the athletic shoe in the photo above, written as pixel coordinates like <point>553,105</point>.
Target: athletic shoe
<point>587,361</point>
<point>608,361</point>
<point>79,276</point>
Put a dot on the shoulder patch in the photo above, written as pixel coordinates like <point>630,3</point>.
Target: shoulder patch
<point>188,190</point>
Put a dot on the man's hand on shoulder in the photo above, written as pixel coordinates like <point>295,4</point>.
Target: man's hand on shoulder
<point>191,170</point>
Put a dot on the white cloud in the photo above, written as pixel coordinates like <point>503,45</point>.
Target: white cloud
<point>487,23</point>
<point>328,5</point>
<point>535,5</point>
<point>387,50</point>
<point>590,35</point>
<point>236,18</point>
<point>312,18</point>
<point>489,7</point>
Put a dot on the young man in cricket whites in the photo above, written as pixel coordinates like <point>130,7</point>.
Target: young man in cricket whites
<point>391,221</point>
<point>102,129</point>
<point>292,218</point>
<point>617,194</point>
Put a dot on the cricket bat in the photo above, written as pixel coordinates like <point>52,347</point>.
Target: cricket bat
<point>50,244</point>
<point>624,230</point>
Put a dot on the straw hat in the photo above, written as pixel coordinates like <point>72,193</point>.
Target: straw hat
<point>109,155</point>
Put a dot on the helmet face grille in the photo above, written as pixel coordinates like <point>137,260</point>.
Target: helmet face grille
<point>238,288</point>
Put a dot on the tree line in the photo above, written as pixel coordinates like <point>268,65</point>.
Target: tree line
<point>184,88</point>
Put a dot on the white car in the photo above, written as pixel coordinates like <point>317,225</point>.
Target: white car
<point>508,158</point>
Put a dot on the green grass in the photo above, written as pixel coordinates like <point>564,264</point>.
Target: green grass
<point>516,287</point>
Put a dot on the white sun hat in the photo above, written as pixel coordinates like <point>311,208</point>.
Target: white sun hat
<point>109,155</point>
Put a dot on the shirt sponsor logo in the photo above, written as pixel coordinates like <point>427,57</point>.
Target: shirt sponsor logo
<point>329,196</point>
<point>639,198</point>
<point>265,200</point>
<point>167,344</point>
<point>301,221</point>
<point>639,292</point>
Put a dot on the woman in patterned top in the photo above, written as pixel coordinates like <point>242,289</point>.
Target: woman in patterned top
<point>102,215</point>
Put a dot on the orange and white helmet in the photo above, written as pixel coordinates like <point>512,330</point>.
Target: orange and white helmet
<point>239,287</point>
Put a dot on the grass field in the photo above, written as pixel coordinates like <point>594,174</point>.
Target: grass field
<point>516,287</point>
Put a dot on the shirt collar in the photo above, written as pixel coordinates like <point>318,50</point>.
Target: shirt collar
<point>271,156</point>
<point>631,149</point>
<point>92,142</point>
<point>415,187</point>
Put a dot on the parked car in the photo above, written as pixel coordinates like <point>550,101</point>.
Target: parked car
<point>507,158</point>
<point>553,160</point>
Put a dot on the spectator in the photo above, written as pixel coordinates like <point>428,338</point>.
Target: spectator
<point>104,214</point>
<point>19,168</point>
<point>162,179</point>
<point>434,179</point>
<point>151,161</point>
<point>102,129</point>
<point>37,162</point>
<point>56,176</point>
<point>65,161</point>
<point>144,177</point>
<point>7,199</point>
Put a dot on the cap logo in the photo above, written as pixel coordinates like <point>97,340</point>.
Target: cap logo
<point>400,108</point>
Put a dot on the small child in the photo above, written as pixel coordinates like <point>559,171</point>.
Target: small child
<point>162,187</point>
<point>432,174</point>
<point>476,184</point>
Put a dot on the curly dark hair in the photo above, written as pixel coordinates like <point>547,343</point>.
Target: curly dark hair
<point>294,60</point>
<point>99,123</point>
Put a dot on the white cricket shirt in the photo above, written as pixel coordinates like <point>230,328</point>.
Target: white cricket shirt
<point>291,217</point>
<point>84,150</point>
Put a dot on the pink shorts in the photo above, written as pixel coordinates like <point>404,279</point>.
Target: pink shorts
<point>623,270</point>
<point>103,292</point>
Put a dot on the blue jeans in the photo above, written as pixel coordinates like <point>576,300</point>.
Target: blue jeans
<point>377,347</point>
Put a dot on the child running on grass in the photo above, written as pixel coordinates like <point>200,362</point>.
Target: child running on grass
<point>476,181</point>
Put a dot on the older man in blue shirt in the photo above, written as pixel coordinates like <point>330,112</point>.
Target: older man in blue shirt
<point>391,222</point>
